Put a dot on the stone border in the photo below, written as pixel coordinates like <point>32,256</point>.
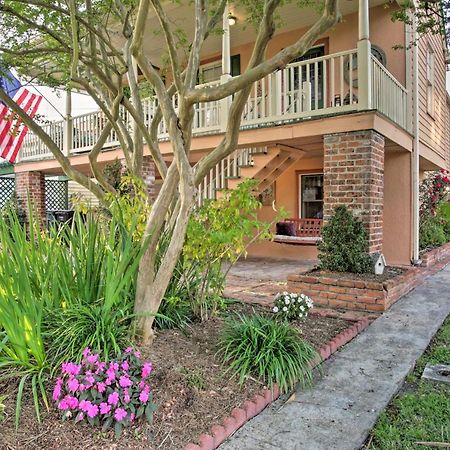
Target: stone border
<point>251,408</point>
<point>337,291</point>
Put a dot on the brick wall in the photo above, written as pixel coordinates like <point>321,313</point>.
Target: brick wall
<point>32,184</point>
<point>148,174</point>
<point>354,177</point>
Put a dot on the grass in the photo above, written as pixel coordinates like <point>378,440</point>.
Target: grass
<point>269,350</point>
<point>421,411</point>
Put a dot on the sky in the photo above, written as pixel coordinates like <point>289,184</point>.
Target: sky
<point>54,101</point>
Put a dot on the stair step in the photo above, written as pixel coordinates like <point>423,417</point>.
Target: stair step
<point>233,178</point>
<point>246,166</point>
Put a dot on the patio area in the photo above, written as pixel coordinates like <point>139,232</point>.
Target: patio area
<point>257,280</point>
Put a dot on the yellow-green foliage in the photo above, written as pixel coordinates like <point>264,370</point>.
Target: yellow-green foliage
<point>131,205</point>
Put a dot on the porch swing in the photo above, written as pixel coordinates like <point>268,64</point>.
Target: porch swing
<point>298,231</point>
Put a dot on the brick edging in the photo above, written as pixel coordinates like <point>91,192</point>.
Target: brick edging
<point>251,408</point>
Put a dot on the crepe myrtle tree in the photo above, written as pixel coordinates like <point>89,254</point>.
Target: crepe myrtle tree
<point>95,46</point>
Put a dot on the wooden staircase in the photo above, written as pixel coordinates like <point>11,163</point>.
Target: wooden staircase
<point>262,164</point>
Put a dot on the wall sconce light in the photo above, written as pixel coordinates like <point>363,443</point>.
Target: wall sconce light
<point>232,20</point>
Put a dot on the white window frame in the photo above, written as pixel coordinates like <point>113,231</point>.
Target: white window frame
<point>201,69</point>
<point>300,197</point>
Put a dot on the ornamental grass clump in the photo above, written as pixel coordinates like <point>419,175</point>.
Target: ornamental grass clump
<point>292,306</point>
<point>267,349</point>
<point>107,394</point>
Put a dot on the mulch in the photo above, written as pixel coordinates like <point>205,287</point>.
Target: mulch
<point>389,273</point>
<point>189,386</point>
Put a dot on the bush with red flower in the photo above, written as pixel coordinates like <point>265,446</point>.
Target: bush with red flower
<point>107,394</point>
<point>434,211</point>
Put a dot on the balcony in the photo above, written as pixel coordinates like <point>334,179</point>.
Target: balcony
<point>323,86</point>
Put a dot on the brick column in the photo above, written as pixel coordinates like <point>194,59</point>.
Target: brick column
<point>32,185</point>
<point>148,174</point>
<point>354,177</point>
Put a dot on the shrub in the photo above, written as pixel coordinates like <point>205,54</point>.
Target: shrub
<point>218,232</point>
<point>269,350</point>
<point>291,306</point>
<point>345,245</point>
<point>107,394</point>
<point>432,233</point>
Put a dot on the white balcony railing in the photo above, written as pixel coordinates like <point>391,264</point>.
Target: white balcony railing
<point>319,86</point>
<point>388,95</point>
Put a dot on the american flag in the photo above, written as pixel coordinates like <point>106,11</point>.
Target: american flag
<point>12,129</point>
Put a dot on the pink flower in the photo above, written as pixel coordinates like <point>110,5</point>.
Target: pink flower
<point>57,390</point>
<point>128,349</point>
<point>120,414</point>
<point>63,405</point>
<point>92,359</point>
<point>73,384</point>
<point>89,379</point>
<point>132,417</point>
<point>101,387</point>
<point>86,352</point>
<point>92,411</point>
<point>125,382</point>
<point>111,374</point>
<point>113,398</point>
<point>137,354</point>
<point>126,397</point>
<point>80,417</point>
<point>104,408</point>
<point>143,396</point>
<point>146,369</point>
<point>72,402</point>
<point>71,368</point>
<point>125,365</point>
<point>85,405</point>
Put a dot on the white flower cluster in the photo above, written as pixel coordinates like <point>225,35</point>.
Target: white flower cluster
<point>292,306</point>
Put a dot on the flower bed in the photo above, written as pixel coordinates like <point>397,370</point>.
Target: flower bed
<point>188,386</point>
<point>372,293</point>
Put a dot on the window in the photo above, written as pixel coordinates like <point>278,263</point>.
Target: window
<point>212,71</point>
<point>430,81</point>
<point>311,196</point>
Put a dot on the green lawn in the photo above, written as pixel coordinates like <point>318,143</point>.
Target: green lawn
<point>421,411</point>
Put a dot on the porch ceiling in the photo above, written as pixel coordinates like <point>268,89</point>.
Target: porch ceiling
<point>180,16</point>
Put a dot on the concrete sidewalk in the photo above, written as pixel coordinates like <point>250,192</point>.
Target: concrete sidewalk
<point>341,408</point>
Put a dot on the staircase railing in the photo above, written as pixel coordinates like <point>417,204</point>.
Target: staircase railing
<point>227,168</point>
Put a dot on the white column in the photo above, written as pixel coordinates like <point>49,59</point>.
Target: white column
<point>364,58</point>
<point>226,67</point>
<point>226,46</point>
<point>416,145</point>
<point>68,125</point>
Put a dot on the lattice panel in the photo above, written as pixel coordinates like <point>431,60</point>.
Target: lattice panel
<point>7,188</point>
<point>56,195</point>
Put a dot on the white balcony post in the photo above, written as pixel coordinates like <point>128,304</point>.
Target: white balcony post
<point>364,58</point>
<point>68,125</point>
<point>275,93</point>
<point>224,104</point>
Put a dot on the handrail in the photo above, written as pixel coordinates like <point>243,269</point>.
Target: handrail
<point>389,74</point>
